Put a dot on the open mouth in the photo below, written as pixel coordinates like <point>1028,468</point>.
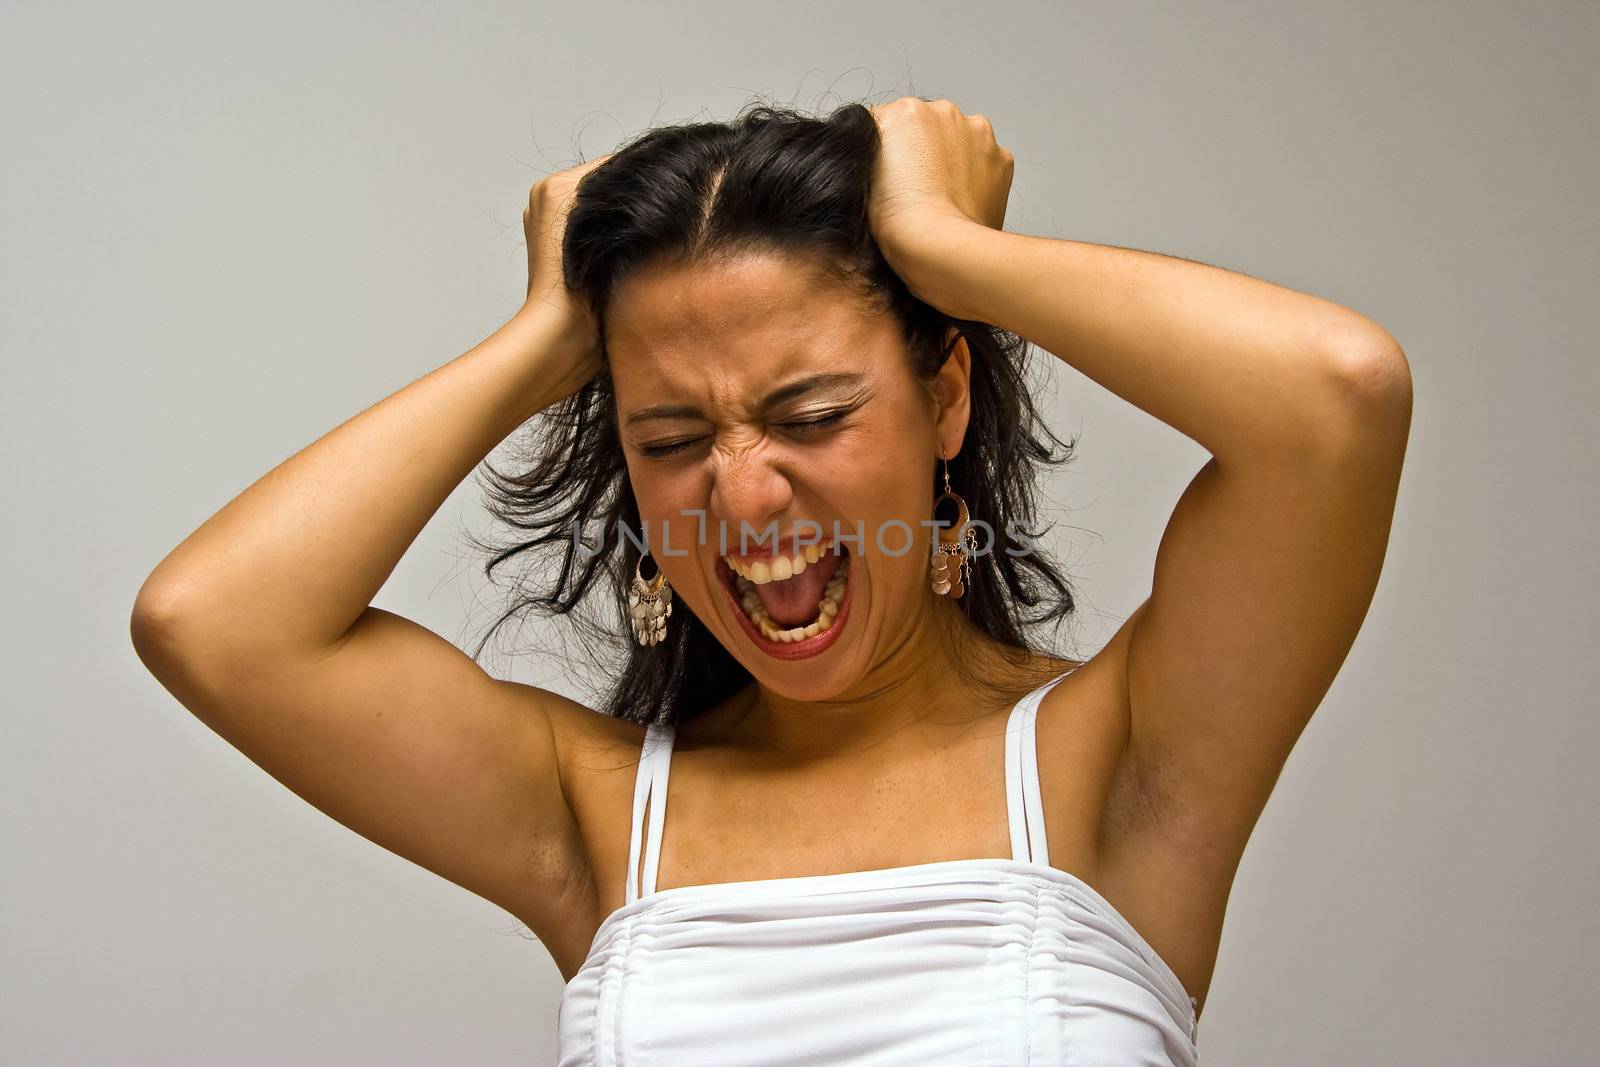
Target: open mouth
<point>790,606</point>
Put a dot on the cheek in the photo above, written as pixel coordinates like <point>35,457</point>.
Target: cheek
<point>887,466</point>
<point>664,495</point>
<point>888,494</point>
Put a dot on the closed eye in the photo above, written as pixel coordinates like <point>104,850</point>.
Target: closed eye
<point>798,427</point>
<point>658,451</point>
<point>807,425</point>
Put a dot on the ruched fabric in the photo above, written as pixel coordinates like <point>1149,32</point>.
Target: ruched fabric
<point>971,962</point>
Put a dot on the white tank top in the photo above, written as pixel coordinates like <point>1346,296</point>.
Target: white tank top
<point>969,962</point>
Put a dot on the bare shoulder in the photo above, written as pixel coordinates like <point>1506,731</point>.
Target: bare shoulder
<point>582,733</point>
<point>597,755</point>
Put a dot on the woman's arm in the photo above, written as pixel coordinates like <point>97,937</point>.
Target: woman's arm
<point>259,623</point>
<point>1245,368</point>
<point>1271,557</point>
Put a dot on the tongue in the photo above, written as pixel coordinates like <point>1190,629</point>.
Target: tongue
<point>793,602</point>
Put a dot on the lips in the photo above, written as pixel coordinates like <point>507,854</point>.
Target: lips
<point>749,601</point>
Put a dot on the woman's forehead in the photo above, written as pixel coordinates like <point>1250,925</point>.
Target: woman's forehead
<point>738,324</point>
<point>754,297</point>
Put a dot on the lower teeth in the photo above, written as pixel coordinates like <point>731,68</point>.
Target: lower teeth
<point>827,608</point>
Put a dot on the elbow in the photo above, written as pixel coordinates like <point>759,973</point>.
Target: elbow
<point>157,625</point>
<point>1372,372</point>
<point>1368,388</point>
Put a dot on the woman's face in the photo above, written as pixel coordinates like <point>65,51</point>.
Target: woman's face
<point>758,398</point>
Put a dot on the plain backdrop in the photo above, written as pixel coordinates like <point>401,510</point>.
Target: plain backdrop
<point>229,227</point>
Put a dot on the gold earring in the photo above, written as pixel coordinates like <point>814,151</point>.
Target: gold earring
<point>649,604</point>
<point>952,546</point>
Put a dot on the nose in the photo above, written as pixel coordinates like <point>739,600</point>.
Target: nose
<point>747,488</point>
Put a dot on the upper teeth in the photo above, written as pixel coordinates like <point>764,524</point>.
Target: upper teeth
<point>779,568</point>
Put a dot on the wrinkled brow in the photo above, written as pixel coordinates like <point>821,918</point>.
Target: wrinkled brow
<point>788,391</point>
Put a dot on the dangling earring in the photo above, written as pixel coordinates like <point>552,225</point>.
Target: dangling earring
<point>649,604</point>
<point>952,546</point>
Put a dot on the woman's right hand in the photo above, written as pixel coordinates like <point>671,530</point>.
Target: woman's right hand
<point>544,223</point>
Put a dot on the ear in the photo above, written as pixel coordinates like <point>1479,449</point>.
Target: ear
<point>952,396</point>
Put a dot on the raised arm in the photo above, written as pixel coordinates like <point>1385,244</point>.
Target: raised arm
<point>1272,554</point>
<point>260,621</point>
<point>1270,559</point>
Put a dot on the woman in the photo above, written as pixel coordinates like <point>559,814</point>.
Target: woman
<point>898,831</point>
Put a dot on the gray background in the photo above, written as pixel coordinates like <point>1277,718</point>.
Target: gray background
<point>230,227</point>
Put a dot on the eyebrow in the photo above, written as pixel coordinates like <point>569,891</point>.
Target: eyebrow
<point>787,391</point>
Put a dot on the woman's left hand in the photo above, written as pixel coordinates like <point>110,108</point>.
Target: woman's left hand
<point>936,166</point>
